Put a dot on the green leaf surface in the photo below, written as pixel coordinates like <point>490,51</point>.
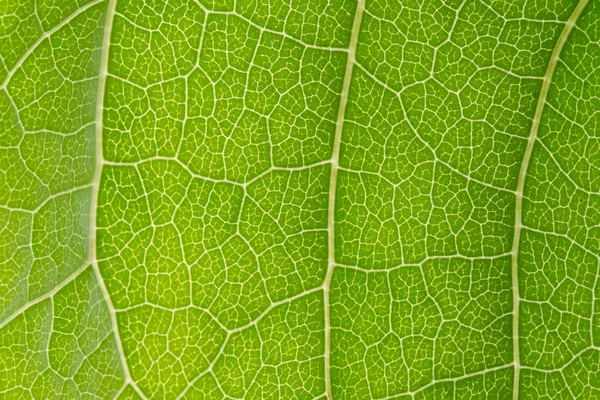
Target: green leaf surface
<point>281,199</point>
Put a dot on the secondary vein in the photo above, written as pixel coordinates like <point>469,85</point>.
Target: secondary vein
<point>523,176</point>
<point>360,7</point>
<point>93,259</point>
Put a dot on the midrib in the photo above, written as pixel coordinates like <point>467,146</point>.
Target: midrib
<point>562,39</point>
<point>333,187</point>
<point>102,75</point>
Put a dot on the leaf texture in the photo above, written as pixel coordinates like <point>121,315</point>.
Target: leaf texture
<point>320,199</point>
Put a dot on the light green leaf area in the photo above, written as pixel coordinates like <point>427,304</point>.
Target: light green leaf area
<point>320,199</point>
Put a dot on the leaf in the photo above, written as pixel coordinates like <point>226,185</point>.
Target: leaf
<point>285,199</point>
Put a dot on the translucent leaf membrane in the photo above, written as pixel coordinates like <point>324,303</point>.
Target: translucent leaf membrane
<point>281,199</point>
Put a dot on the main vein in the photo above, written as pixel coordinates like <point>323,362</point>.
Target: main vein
<point>523,176</point>
<point>102,75</point>
<point>333,186</point>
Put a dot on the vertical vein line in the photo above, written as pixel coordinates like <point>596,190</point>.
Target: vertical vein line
<point>539,110</point>
<point>333,187</point>
<point>102,75</point>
